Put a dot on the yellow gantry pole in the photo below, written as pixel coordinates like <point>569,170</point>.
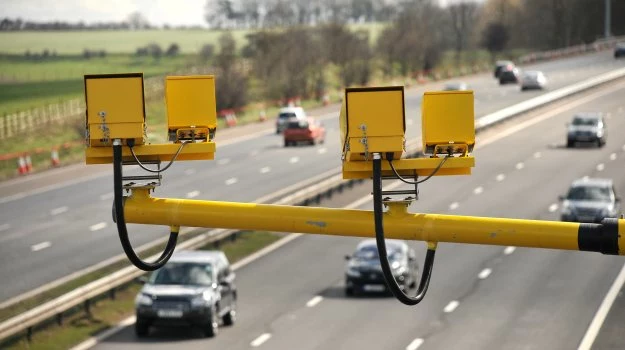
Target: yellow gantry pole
<point>141,208</point>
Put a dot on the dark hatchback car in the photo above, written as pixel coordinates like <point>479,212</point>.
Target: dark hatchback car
<point>194,288</point>
<point>499,65</point>
<point>363,273</point>
<point>509,74</point>
<point>586,127</point>
<point>590,200</point>
<point>619,50</point>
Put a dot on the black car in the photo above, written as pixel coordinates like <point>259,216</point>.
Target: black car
<point>587,127</point>
<point>499,65</point>
<point>509,74</point>
<point>194,288</point>
<point>619,50</point>
<point>363,272</point>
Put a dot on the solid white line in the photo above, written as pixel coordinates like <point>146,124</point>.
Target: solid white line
<point>254,153</point>
<point>613,156</point>
<point>314,301</point>
<point>623,148</point>
<point>59,210</point>
<point>260,340</point>
<point>93,341</point>
<point>509,250</point>
<point>190,171</point>
<point>500,177</point>
<point>107,196</point>
<point>40,246</point>
<point>231,181</point>
<point>451,306</point>
<point>265,170</point>
<point>4,227</point>
<point>602,312</point>
<point>415,344</point>
<point>519,165</point>
<point>322,150</point>
<point>98,226</point>
<point>484,274</point>
<point>223,161</point>
<point>553,207</point>
<point>600,167</point>
<point>478,190</point>
<point>193,194</point>
<point>454,206</point>
<point>294,160</point>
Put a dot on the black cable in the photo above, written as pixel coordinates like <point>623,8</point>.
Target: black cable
<point>390,162</point>
<point>121,221</point>
<point>381,244</point>
<point>159,170</point>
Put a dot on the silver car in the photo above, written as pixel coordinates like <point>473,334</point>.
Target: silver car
<point>533,79</point>
<point>590,200</point>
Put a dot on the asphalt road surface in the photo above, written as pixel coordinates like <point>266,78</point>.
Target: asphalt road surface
<point>52,233</point>
<point>480,297</point>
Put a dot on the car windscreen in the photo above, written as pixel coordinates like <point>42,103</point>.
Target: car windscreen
<point>585,121</point>
<point>183,274</point>
<point>589,193</point>
<point>297,124</point>
<point>371,253</point>
<point>286,115</point>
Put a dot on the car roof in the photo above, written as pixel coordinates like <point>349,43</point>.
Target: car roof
<point>197,256</point>
<point>590,181</point>
<point>588,115</point>
<point>503,62</point>
<point>532,72</point>
<point>390,243</point>
<point>291,110</point>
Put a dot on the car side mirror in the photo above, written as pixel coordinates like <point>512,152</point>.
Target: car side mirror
<point>561,197</point>
<point>142,279</point>
<point>411,258</point>
<point>348,257</point>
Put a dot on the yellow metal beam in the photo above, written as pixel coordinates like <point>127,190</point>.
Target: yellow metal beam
<point>162,152</point>
<point>141,208</point>
<point>408,167</point>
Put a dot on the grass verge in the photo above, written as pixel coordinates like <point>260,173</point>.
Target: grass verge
<point>105,312</point>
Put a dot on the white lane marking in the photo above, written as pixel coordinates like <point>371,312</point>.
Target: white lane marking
<point>415,344</point>
<point>519,165</point>
<point>484,274</point>
<point>322,150</point>
<point>98,226</point>
<point>509,250</point>
<point>193,194</point>
<point>553,207</point>
<point>265,170</point>
<point>231,181</point>
<point>478,190</point>
<point>59,210</point>
<point>254,153</point>
<point>107,196</point>
<point>454,206</point>
<point>608,116</point>
<point>500,177</point>
<point>613,156</point>
<point>189,171</point>
<point>40,246</point>
<point>223,161</point>
<point>537,155</point>
<point>260,340</point>
<point>620,109</point>
<point>602,312</point>
<point>4,227</point>
<point>600,167</point>
<point>409,122</point>
<point>451,306</point>
<point>623,148</point>
<point>294,160</point>
<point>314,301</point>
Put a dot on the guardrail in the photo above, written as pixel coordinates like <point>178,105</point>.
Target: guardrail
<point>601,44</point>
<point>325,186</point>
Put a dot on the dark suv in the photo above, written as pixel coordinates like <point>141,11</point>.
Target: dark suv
<point>364,272</point>
<point>586,127</point>
<point>619,50</point>
<point>590,200</point>
<point>194,288</point>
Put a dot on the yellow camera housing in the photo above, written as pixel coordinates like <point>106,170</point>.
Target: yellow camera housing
<point>191,113</point>
<point>372,121</point>
<point>448,122</point>
<point>115,108</point>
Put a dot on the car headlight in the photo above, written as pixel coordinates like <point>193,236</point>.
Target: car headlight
<point>201,300</point>
<point>566,209</point>
<point>143,300</point>
<point>353,272</point>
<point>599,133</point>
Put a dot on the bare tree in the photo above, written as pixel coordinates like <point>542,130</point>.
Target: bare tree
<point>137,21</point>
<point>463,16</point>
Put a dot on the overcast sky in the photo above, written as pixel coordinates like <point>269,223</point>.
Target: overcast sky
<point>173,12</point>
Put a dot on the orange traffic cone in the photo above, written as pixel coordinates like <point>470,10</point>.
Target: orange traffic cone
<point>262,116</point>
<point>21,166</point>
<point>29,163</point>
<point>54,158</point>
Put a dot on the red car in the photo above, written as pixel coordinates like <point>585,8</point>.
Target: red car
<point>306,130</point>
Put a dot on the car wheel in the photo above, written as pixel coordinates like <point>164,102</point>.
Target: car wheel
<point>212,326</point>
<point>231,316</point>
<point>570,143</point>
<point>286,143</point>
<point>523,88</point>
<point>349,291</point>
<point>142,328</point>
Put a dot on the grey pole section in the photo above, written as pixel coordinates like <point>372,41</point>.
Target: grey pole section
<point>608,15</point>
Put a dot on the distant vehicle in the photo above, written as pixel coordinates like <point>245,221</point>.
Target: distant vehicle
<point>307,130</point>
<point>587,127</point>
<point>509,74</point>
<point>286,114</point>
<point>533,79</point>
<point>499,65</point>
<point>456,86</point>
<point>590,200</point>
<point>619,50</point>
<point>194,288</point>
<point>363,272</point>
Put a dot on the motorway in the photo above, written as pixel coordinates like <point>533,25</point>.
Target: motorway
<point>480,297</point>
<point>50,234</point>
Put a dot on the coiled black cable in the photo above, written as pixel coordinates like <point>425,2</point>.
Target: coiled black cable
<point>381,244</point>
<point>438,167</point>
<point>173,159</point>
<point>121,221</point>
